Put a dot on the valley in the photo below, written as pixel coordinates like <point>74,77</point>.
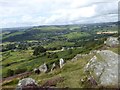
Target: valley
<point>23,50</point>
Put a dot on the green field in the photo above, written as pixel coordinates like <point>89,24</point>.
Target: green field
<point>12,34</point>
<point>76,35</point>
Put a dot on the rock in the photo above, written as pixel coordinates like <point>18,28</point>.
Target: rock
<point>112,41</point>
<point>92,81</point>
<point>61,63</point>
<point>37,71</point>
<point>90,64</point>
<point>105,67</point>
<point>27,84</point>
<point>83,55</point>
<point>53,66</point>
<point>43,68</point>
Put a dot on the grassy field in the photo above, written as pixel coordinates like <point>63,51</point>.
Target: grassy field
<point>11,60</point>
<point>50,28</point>
<point>12,34</point>
<point>59,43</point>
<point>75,35</point>
<point>17,56</point>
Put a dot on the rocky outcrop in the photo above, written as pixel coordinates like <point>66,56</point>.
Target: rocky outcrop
<point>104,65</point>
<point>112,41</point>
<point>27,84</point>
<point>43,68</point>
<point>36,71</point>
<point>61,63</point>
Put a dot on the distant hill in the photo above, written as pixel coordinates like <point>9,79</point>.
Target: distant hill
<point>46,32</point>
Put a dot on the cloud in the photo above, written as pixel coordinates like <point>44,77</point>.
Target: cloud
<point>15,13</point>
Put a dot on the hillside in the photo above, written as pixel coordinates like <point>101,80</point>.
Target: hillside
<point>75,71</point>
<point>50,32</point>
<point>25,50</point>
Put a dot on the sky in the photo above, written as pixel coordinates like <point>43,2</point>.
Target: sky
<point>20,13</point>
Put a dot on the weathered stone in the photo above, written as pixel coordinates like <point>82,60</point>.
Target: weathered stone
<point>61,63</point>
<point>112,41</point>
<point>43,68</point>
<point>90,64</point>
<point>27,83</point>
<point>37,71</point>
<point>104,67</point>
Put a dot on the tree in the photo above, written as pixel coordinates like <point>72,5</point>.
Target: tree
<point>10,46</point>
<point>22,46</point>
<point>39,50</point>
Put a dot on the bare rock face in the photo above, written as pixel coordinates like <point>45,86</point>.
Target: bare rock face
<point>112,41</point>
<point>27,84</point>
<point>43,68</point>
<point>104,65</point>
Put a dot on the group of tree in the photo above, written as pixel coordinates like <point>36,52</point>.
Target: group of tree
<point>38,50</point>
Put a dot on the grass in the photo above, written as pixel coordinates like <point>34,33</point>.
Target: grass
<point>25,59</point>
<point>9,83</point>
<point>114,28</point>
<point>59,43</point>
<point>76,35</point>
<point>12,34</point>
<point>50,28</point>
<point>72,73</point>
<point>116,50</point>
<point>16,56</point>
<point>12,60</point>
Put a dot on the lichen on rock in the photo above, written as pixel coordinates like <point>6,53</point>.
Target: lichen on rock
<point>104,67</point>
